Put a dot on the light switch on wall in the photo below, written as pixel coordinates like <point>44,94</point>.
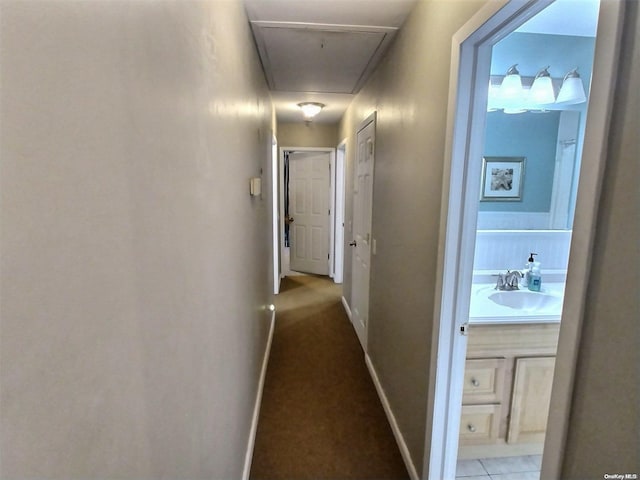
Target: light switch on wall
<point>255,187</point>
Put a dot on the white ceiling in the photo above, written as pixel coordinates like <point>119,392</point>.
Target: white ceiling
<point>324,50</point>
<point>565,17</point>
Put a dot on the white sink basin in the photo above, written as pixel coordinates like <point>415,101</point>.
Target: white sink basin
<point>526,300</point>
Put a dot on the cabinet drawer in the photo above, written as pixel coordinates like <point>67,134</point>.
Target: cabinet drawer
<point>483,381</point>
<point>479,424</point>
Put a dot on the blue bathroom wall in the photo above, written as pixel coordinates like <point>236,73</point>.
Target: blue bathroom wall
<point>534,135</point>
<point>530,135</point>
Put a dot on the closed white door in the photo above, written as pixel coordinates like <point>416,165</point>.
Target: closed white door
<point>362,202</point>
<point>309,212</point>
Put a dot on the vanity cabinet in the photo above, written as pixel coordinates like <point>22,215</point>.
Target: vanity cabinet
<point>507,389</point>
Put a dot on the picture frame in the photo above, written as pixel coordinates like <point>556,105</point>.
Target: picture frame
<point>502,179</point>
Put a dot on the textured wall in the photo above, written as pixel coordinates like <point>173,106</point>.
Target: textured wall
<point>307,135</point>
<point>409,91</point>
<point>134,262</point>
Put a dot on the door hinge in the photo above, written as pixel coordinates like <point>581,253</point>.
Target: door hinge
<point>327,256</point>
<point>464,329</point>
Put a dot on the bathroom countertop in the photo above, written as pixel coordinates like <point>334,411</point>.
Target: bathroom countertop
<point>484,310</point>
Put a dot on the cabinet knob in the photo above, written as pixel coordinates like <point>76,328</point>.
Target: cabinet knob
<point>475,382</point>
<point>471,427</point>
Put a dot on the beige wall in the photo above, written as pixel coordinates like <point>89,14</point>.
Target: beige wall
<point>604,431</point>
<point>409,91</point>
<point>307,135</point>
<point>134,261</point>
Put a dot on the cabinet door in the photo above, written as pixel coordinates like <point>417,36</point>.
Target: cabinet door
<point>530,400</point>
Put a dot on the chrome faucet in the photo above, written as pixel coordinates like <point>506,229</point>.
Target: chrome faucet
<point>509,280</point>
<point>513,279</point>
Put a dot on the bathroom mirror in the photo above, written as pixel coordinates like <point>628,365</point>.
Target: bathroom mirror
<point>547,143</point>
<point>549,138</point>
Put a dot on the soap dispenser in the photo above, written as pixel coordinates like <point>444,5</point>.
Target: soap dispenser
<point>535,278</point>
<point>528,268</point>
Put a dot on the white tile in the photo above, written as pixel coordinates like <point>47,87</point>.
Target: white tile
<point>536,460</point>
<point>475,477</point>
<point>516,476</point>
<point>469,468</point>
<point>509,465</point>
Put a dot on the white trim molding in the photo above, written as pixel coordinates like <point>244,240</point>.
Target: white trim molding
<point>402,445</point>
<point>256,409</point>
<point>347,308</point>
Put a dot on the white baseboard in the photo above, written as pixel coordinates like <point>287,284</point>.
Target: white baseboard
<point>256,409</point>
<point>404,451</point>
<point>347,309</point>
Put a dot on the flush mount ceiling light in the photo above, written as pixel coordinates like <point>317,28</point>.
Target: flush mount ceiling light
<point>541,92</point>
<point>572,90</point>
<point>310,109</point>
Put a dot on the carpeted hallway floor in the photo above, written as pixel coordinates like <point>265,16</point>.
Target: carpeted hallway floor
<point>320,417</point>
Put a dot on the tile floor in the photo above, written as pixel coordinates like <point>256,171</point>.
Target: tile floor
<point>507,468</point>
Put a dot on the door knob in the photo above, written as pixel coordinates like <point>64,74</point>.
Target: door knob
<point>353,244</point>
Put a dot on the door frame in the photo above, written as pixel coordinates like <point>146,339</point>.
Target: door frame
<point>275,216</point>
<point>332,160</point>
<point>469,74</point>
<point>339,206</point>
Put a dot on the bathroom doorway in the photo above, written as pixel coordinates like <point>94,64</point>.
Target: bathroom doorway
<point>466,141</point>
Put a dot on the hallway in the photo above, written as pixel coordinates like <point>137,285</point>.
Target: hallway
<point>137,261</point>
<point>320,415</point>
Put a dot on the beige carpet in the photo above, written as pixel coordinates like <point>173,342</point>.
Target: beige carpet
<point>321,417</point>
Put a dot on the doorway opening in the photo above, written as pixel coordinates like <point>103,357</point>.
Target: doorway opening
<point>307,210</point>
<point>467,132</point>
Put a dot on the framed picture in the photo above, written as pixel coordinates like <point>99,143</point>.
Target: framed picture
<point>502,179</point>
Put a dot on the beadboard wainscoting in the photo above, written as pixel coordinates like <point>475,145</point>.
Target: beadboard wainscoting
<point>509,249</point>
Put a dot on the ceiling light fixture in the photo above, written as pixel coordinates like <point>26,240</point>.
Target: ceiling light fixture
<point>513,93</point>
<point>541,92</point>
<point>511,87</point>
<point>572,90</point>
<point>310,109</point>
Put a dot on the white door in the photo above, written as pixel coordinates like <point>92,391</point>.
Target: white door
<point>309,212</point>
<point>362,202</point>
